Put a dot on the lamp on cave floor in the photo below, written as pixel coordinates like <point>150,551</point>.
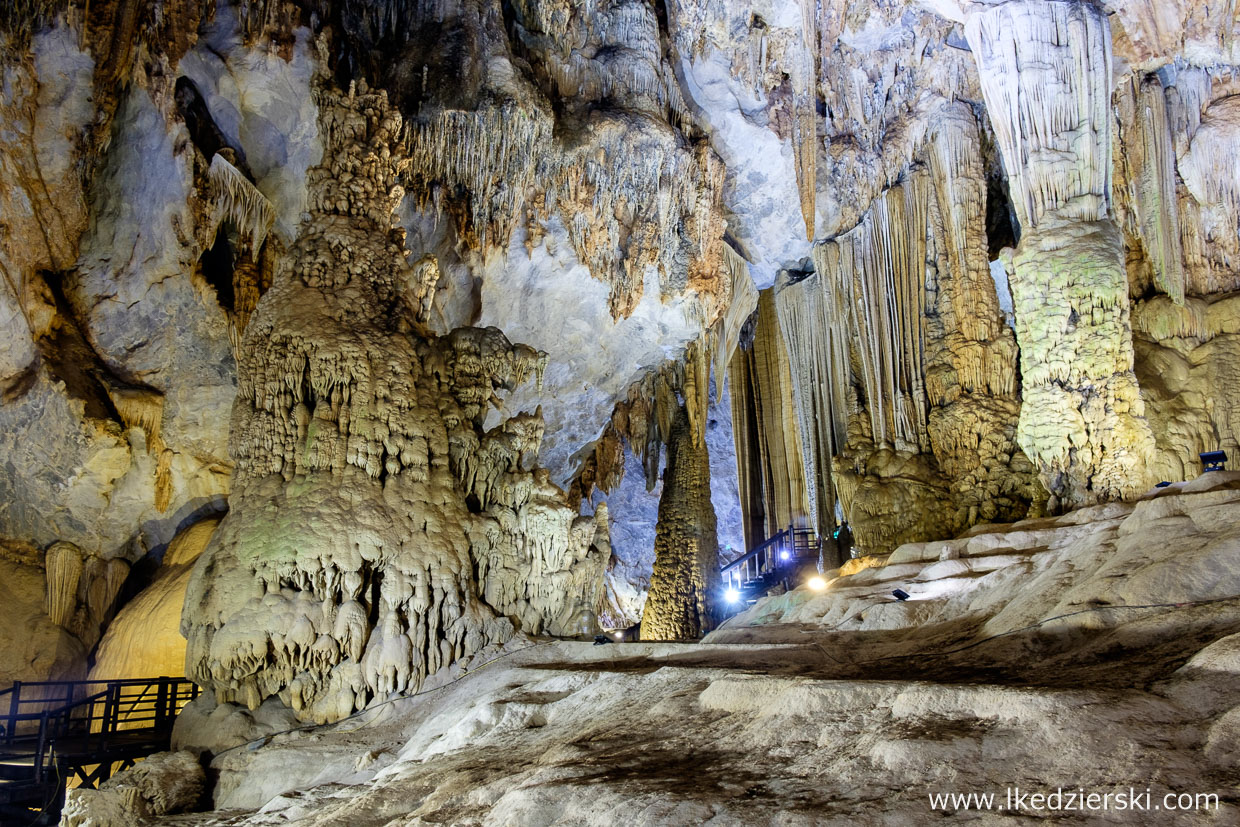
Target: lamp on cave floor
<point>1213,460</point>
<point>900,594</point>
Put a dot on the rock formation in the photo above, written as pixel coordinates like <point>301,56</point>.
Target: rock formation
<point>377,532</point>
<point>531,314</point>
<point>1045,70</point>
<point>145,636</point>
<point>684,588</point>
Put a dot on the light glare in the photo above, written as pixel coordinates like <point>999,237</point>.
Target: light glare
<point>817,584</point>
<point>732,595</point>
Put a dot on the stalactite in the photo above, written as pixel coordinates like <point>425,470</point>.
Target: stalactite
<point>140,408</point>
<point>816,330</point>
<point>685,582</point>
<point>632,197</point>
<point>743,301</point>
<point>491,153</point>
<point>805,118</point>
<point>873,277</point>
<point>163,480</point>
<point>1046,74</point>
<point>771,472</point>
<point>64,566</point>
<point>1158,217</point>
<point>239,201</point>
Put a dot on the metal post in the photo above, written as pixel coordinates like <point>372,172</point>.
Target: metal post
<point>161,703</point>
<point>14,707</point>
<point>38,758</point>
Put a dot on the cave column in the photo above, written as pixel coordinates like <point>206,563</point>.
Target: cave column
<point>685,582</point>
<point>1045,70</point>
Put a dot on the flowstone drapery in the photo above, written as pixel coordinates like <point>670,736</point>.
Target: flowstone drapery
<point>377,532</point>
<point>903,371</point>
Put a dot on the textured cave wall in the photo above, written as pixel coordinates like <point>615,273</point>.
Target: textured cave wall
<point>108,441</point>
<point>377,532</point>
<point>684,587</point>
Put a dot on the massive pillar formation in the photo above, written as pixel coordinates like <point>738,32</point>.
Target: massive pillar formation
<point>685,582</point>
<point>1045,70</point>
<point>377,532</point>
<point>971,352</point>
<point>764,425</point>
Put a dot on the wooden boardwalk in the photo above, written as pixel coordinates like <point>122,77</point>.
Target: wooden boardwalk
<point>55,732</point>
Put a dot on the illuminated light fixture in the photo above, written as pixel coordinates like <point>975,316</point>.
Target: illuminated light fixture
<point>900,594</point>
<point>785,555</point>
<point>619,635</point>
<point>732,595</point>
<point>817,584</point>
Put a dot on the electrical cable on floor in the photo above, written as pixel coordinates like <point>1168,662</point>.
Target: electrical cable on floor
<point>265,739</point>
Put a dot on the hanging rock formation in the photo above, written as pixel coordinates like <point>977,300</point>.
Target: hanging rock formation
<point>769,459</point>
<point>1046,74</point>
<point>377,533</point>
<point>903,371</point>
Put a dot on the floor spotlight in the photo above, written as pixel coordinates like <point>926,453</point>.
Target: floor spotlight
<point>900,594</point>
<point>817,584</point>
<point>1213,460</point>
<point>732,595</point>
<point>785,555</point>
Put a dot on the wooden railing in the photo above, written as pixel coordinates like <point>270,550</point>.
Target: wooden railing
<point>89,715</point>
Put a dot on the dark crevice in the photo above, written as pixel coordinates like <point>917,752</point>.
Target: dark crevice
<point>376,590</point>
<point>217,265</point>
<point>71,359</point>
<point>1002,228</point>
<point>202,128</point>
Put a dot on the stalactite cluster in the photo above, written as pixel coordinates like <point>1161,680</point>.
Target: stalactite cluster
<point>903,371</point>
<point>770,468</point>
<point>378,532</point>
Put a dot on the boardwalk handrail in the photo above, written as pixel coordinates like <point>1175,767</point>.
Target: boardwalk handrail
<point>786,548</point>
<point>141,704</point>
<point>27,700</point>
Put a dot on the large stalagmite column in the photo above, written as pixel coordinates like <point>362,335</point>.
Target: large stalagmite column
<point>685,581</point>
<point>1045,70</point>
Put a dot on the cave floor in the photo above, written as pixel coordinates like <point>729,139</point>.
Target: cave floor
<point>846,728</point>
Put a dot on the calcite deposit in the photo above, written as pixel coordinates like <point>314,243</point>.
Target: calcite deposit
<point>378,532</point>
